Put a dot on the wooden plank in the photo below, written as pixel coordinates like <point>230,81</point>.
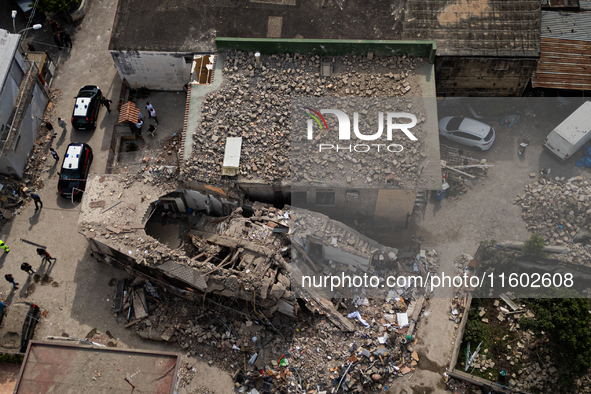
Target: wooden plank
<point>97,204</point>
<point>113,229</point>
<point>139,300</point>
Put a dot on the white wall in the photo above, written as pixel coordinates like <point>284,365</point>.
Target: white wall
<point>153,70</point>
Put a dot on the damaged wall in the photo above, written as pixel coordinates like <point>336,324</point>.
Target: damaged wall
<point>153,70</point>
<point>480,76</point>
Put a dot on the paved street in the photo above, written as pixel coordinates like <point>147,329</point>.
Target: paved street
<point>76,292</point>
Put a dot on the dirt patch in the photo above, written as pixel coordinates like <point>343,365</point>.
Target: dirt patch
<point>462,10</point>
<point>112,282</point>
<point>30,289</point>
<point>425,363</point>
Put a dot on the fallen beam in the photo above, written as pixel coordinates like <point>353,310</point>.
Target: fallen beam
<point>461,172</point>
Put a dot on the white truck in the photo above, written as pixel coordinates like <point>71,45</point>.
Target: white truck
<point>571,134</point>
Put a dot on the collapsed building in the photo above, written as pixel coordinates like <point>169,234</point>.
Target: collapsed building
<point>205,247</point>
<point>237,249</point>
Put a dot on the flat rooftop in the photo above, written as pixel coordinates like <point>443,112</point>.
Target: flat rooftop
<point>65,368</point>
<point>257,104</point>
<point>480,27</point>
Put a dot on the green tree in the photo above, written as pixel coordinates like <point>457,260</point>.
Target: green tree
<point>534,245</point>
<point>50,6</point>
<point>566,323</point>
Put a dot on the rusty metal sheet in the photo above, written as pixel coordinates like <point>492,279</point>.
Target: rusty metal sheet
<point>563,64</point>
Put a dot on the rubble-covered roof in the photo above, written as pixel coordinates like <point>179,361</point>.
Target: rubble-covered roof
<point>257,106</point>
<point>115,209</point>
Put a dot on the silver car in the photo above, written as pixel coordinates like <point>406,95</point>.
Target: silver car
<point>467,131</point>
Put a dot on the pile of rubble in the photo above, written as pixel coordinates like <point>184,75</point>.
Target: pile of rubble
<point>255,104</point>
<point>269,355</point>
<point>559,210</point>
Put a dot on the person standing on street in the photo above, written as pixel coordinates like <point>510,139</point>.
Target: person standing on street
<point>45,255</point>
<point>10,279</point>
<point>55,27</point>
<point>106,102</point>
<point>153,115</point>
<point>4,246</point>
<point>66,39</point>
<point>138,127</point>
<point>49,128</point>
<point>54,154</point>
<point>58,41</point>
<point>37,199</point>
<point>27,268</point>
<point>61,123</point>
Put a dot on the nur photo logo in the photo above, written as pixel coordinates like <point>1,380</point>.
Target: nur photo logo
<point>317,119</point>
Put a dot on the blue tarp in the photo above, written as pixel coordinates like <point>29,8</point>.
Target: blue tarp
<point>585,161</point>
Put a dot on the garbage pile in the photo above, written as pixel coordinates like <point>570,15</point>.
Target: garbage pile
<point>559,210</point>
<point>285,354</point>
<point>255,103</point>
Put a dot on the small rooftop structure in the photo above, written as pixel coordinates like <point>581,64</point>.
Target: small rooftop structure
<point>64,368</point>
<point>129,113</point>
<point>232,156</point>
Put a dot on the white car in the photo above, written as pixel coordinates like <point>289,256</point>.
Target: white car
<point>467,131</point>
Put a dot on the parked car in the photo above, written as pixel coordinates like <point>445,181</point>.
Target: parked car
<point>86,108</point>
<point>30,12</point>
<point>75,170</point>
<point>17,326</point>
<point>467,131</point>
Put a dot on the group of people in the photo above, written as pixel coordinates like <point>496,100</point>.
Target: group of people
<point>26,267</point>
<point>140,122</point>
<point>61,37</point>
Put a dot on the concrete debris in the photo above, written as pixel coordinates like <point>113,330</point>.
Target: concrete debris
<point>318,350</point>
<point>255,104</point>
<point>559,210</point>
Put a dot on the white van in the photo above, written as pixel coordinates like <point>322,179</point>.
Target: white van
<point>571,134</point>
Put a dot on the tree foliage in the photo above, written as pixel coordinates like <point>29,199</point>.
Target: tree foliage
<point>50,6</point>
<point>566,323</point>
<point>534,245</point>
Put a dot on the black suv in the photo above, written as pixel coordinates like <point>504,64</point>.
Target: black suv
<point>17,326</point>
<point>75,169</point>
<point>86,108</point>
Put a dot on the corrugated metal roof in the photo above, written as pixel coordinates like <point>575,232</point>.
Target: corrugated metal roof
<point>585,5</point>
<point>565,53</point>
<point>8,46</point>
<point>566,25</point>
<point>563,64</point>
